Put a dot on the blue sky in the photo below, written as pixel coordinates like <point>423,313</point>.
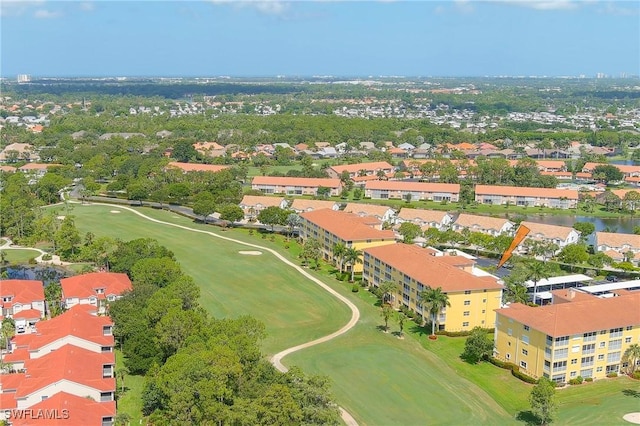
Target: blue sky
<point>328,37</point>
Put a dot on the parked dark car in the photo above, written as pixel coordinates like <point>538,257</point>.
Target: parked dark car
<point>612,278</point>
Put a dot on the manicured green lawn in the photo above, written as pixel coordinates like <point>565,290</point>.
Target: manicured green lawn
<point>378,378</point>
<point>600,403</point>
<point>20,255</point>
<point>255,171</point>
<point>130,401</point>
<point>293,309</point>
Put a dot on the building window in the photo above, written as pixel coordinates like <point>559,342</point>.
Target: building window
<point>601,357</point>
<point>483,311</point>
<point>467,302</point>
<point>589,349</point>
<point>574,361</point>
<point>526,327</point>
<point>525,339</point>
<point>561,353</point>
<point>586,373</point>
<point>613,357</point>
<point>586,361</point>
<point>467,292</point>
<point>525,352</point>
<point>484,300</point>
<point>598,369</point>
<point>615,344</point>
<point>629,328</point>
<point>615,332</point>
<point>562,341</point>
<point>509,332</point>
<point>465,314</point>
<point>559,366</point>
<point>589,337</point>
<point>465,324</point>
<point>523,364</point>
<point>573,374</point>
<point>627,339</point>
<point>508,356</point>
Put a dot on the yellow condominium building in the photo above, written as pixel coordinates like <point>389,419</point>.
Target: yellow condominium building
<point>473,294</point>
<point>577,335</point>
<point>331,227</point>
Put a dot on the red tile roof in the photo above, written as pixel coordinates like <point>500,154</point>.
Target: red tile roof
<point>70,409</point>
<point>579,316</point>
<point>77,322</point>
<point>28,314</point>
<point>69,363</point>
<point>84,286</point>
<point>292,181</point>
<point>347,226</point>
<point>422,215</point>
<point>453,188</point>
<point>362,209</point>
<point>23,291</point>
<point>355,168</point>
<point>192,167</point>
<point>263,200</point>
<point>300,204</point>
<point>520,191</point>
<point>431,270</point>
<point>37,166</point>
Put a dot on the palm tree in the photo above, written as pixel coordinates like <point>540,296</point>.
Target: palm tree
<point>7,331</point>
<point>351,258</point>
<point>433,300</point>
<point>339,251</point>
<point>536,271</point>
<point>632,356</point>
<point>386,290</point>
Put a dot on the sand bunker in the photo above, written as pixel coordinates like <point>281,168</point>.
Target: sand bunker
<point>60,217</point>
<point>250,252</point>
<point>632,418</point>
<point>115,211</point>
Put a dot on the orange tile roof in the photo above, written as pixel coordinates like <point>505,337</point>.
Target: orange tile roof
<point>422,215</point>
<point>263,200</point>
<point>483,222</point>
<point>622,167</point>
<point>548,231</point>
<point>85,285</point>
<point>69,363</point>
<point>28,314</point>
<point>430,270</point>
<point>79,411</point>
<point>37,166</point>
<point>193,167</point>
<point>293,181</point>
<point>8,169</point>
<point>77,322</point>
<point>354,168</point>
<point>580,316</point>
<point>347,226</point>
<point>362,209</point>
<point>23,291</point>
<point>453,188</point>
<point>303,204</point>
<point>524,191</point>
<point>616,240</point>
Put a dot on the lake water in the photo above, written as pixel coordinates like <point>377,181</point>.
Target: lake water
<point>46,274</point>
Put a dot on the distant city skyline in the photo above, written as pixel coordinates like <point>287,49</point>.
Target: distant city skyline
<point>305,38</point>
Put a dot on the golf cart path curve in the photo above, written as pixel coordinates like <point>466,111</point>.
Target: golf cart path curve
<point>276,359</point>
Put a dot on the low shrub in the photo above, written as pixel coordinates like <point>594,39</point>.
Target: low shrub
<point>355,288</point>
<point>32,261</point>
<point>46,256</point>
<point>636,375</point>
<point>589,379</point>
<point>574,382</point>
<point>612,374</point>
<point>459,333</point>
<point>520,375</point>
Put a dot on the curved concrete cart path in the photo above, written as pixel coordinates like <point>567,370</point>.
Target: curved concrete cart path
<point>55,259</point>
<point>276,360</point>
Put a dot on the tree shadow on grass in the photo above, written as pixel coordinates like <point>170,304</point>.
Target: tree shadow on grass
<point>415,328</point>
<point>528,418</point>
<point>631,392</point>
<point>381,328</point>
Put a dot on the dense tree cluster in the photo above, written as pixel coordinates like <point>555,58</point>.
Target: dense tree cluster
<point>202,370</point>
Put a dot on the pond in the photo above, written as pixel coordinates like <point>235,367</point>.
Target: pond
<point>45,273</point>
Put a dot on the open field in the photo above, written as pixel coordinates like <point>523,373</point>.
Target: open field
<point>293,309</point>
<point>20,255</point>
<point>378,378</point>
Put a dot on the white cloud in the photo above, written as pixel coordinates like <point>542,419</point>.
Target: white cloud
<point>464,6</point>
<point>17,7</point>
<point>87,6</point>
<point>543,4</point>
<point>620,8</point>
<point>267,7</point>
<point>46,14</point>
